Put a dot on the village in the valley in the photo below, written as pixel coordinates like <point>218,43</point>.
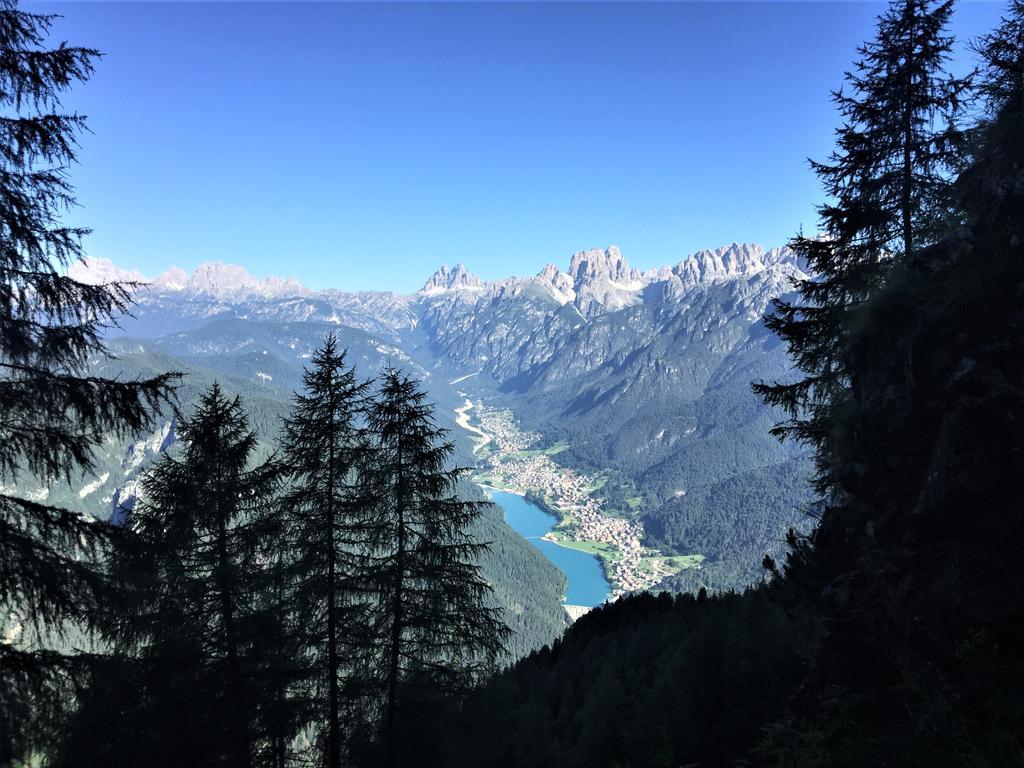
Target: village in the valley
<point>510,461</point>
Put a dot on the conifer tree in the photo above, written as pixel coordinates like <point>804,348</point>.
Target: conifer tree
<point>890,190</point>
<point>53,413</point>
<point>195,562</point>
<point>1001,80</point>
<point>437,629</point>
<point>323,447</point>
<point>906,573</point>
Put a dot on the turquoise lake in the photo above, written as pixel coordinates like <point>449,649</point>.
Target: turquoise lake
<point>586,582</point>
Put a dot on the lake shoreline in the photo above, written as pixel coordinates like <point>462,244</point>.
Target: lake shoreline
<point>587,582</point>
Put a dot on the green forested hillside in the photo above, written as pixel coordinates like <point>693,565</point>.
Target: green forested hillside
<point>646,681</point>
<point>733,518</point>
<point>527,586</point>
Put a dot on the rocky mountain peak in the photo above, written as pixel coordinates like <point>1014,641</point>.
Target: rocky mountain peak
<point>218,280</point>
<point>601,277</point>
<point>550,272</point>
<point>449,279</point>
<point>730,262</point>
<point>557,282</point>
<point>173,279</point>
<point>601,264</point>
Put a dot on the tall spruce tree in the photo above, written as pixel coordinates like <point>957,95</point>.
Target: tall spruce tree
<point>53,413</point>
<point>890,189</point>
<point>437,629</point>
<point>323,448</point>
<point>195,560</point>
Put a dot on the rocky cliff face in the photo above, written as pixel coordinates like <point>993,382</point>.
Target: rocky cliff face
<point>560,325</point>
<point>603,280</point>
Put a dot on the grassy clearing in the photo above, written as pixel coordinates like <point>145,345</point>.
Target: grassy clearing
<point>599,548</point>
<point>658,567</point>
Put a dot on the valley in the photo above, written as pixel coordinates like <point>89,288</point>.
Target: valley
<point>616,399</point>
<point>722,504</point>
<point>510,462</point>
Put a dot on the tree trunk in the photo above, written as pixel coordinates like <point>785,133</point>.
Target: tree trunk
<point>333,735</point>
<point>906,201</point>
<point>397,619</point>
<point>241,737</point>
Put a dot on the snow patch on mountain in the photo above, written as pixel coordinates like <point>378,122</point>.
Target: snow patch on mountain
<point>94,271</point>
<point>140,450</point>
<point>94,486</point>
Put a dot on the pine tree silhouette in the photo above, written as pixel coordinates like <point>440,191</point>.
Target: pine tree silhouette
<point>1001,80</point>
<point>195,561</point>
<point>437,628</point>
<point>53,413</point>
<point>325,506</point>
<point>890,184</point>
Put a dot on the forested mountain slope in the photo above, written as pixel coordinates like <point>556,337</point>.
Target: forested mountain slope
<point>259,362</point>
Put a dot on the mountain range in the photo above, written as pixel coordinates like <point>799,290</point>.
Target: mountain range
<point>644,374</point>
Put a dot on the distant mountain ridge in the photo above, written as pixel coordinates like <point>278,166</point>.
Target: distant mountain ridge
<point>644,374</point>
<point>601,274</point>
<point>213,279</point>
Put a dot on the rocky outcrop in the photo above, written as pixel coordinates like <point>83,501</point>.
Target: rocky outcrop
<point>456,279</point>
<point>603,279</point>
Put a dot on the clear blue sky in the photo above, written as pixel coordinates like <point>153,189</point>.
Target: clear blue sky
<point>359,146</point>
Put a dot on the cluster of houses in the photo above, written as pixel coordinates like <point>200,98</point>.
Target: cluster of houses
<point>568,492</point>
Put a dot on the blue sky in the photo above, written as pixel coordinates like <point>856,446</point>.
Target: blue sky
<point>359,146</point>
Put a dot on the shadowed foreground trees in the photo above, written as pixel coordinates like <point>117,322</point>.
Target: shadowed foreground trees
<point>911,568</point>
<point>303,609</point>
<point>53,413</point>
<point>890,192</point>
<point>192,560</point>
